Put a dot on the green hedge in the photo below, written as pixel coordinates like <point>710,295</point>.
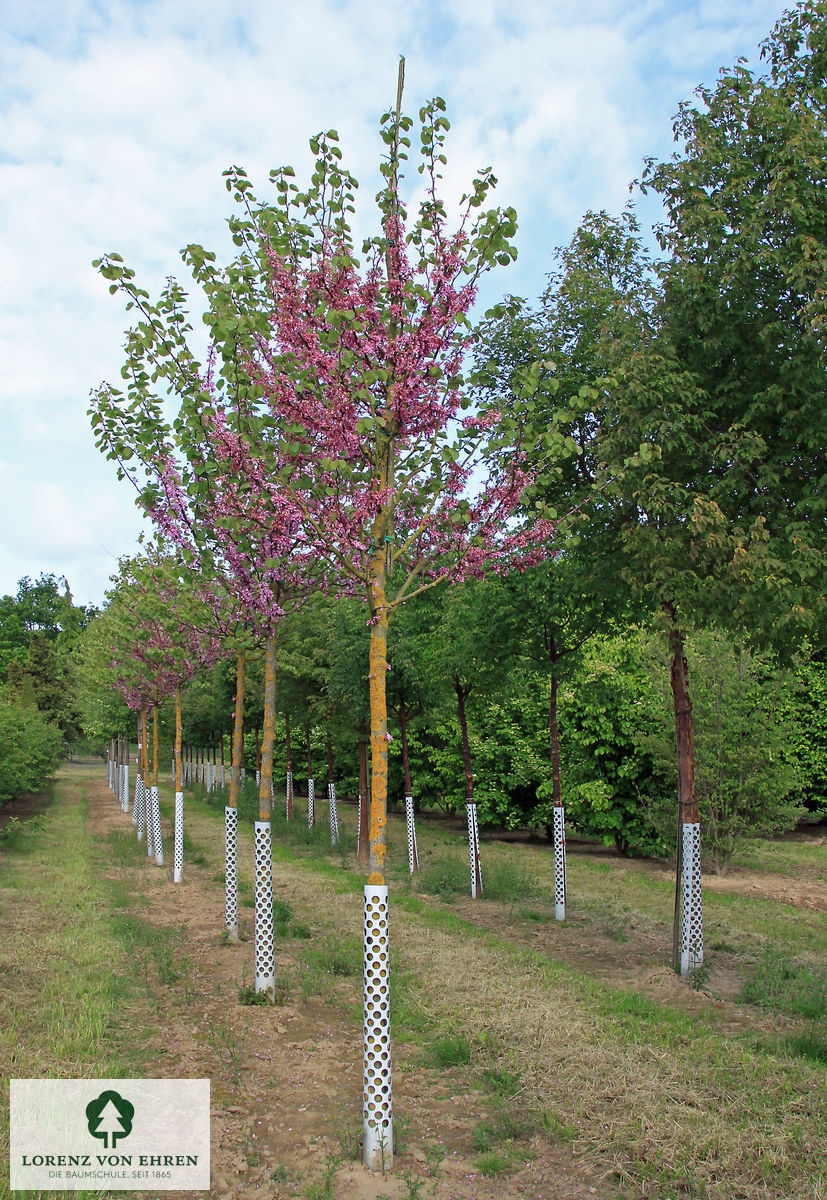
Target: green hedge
<point>29,749</point>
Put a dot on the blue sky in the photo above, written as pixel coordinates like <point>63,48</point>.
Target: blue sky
<point>119,118</point>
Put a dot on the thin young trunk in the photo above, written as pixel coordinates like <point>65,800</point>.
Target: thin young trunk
<point>558,815</point>
<point>156,809</point>
<point>688,851</point>
<point>238,730</point>
<point>377,1121</point>
<point>403,733</point>
<point>148,830</point>
<point>556,788</point>
<point>289,797</point>
<point>378,733</point>
<point>178,850</point>
<point>264,938</point>
<point>311,790</point>
<point>471,808</point>
<point>362,838</point>
<point>331,789</point>
<point>410,827</point>
<point>231,810</point>
<point>462,694</point>
<point>329,744</point>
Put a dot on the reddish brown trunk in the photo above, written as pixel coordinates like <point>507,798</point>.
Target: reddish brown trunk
<point>556,789</point>
<point>287,728</point>
<point>684,732</point>
<point>466,752</point>
<point>406,762</point>
<point>363,852</point>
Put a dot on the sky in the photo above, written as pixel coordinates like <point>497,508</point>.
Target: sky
<point>119,117</point>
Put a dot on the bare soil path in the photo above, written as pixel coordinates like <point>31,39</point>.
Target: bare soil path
<point>286,1080</point>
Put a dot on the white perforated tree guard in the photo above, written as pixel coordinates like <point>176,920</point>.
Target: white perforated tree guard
<point>474,852</point>
<point>377,1099</point>
<point>231,872</point>
<point>148,826</point>
<point>156,828</point>
<point>258,778</point>
<point>413,856</point>
<point>334,815</point>
<point>140,809</point>
<point>288,794</point>
<point>109,769</point>
<point>359,822</point>
<point>138,789</point>
<point>311,816</point>
<point>692,932</point>
<point>125,792</point>
<point>243,776</point>
<point>178,850</point>
<point>265,953</point>
<point>559,825</point>
<point>223,776</point>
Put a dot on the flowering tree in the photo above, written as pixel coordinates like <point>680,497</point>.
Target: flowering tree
<point>327,437</point>
<point>204,483</point>
<point>163,636</point>
<point>358,383</point>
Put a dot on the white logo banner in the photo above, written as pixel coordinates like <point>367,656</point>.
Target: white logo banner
<point>110,1134</point>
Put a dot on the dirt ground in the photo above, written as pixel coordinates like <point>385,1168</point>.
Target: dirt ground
<point>286,1080</point>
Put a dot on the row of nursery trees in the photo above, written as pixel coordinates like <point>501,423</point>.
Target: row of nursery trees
<point>594,724</point>
<point>650,430</point>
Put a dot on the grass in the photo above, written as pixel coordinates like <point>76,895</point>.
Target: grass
<point>451,1050</point>
<point>61,1009</point>
<point>787,985</point>
<point>675,1104</point>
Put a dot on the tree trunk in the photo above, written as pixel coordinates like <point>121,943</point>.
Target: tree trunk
<point>362,837</point>
<point>311,790</point>
<point>471,808</point>
<point>329,756</point>
<point>556,788</point>
<point>378,735</point>
<point>403,732</point>
<point>231,810</point>
<point>688,955</point>
<point>377,1122</point>
<point>559,816</point>
<point>462,694</point>
<point>265,978</point>
<point>156,808</point>
<point>178,844</point>
<point>289,781</point>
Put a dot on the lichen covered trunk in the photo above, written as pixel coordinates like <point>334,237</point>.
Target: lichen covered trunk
<point>155,745</point>
<point>179,766</point>
<point>378,735</point>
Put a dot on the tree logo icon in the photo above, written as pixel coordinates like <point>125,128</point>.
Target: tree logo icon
<point>109,1117</point>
